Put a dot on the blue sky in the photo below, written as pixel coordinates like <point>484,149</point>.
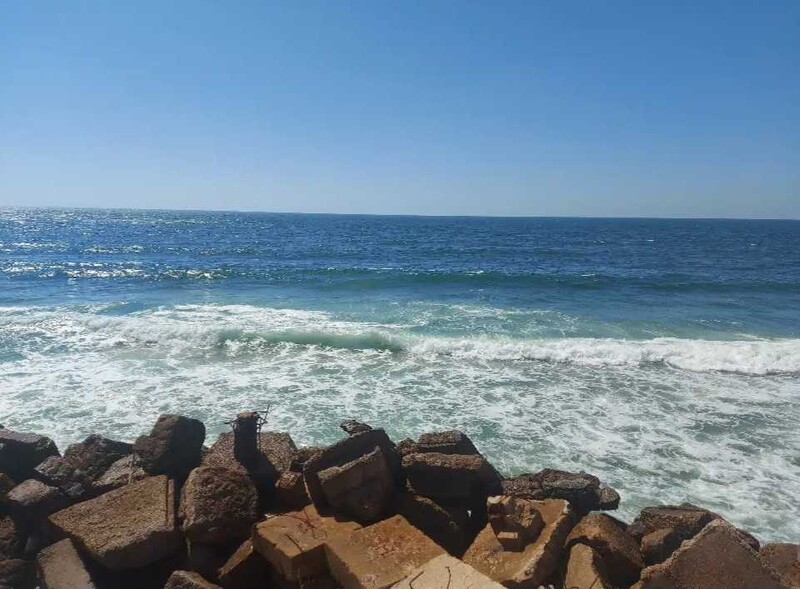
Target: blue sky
<point>674,108</point>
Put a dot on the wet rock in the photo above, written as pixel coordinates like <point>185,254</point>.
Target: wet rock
<point>657,546</point>
<point>445,571</point>
<point>174,446</point>
<point>95,455</point>
<point>784,559</point>
<point>445,526</point>
<point>352,427</point>
<point>245,569</point>
<point>61,567</point>
<point>32,500</point>
<point>608,499</point>
<point>11,541</point>
<point>58,472</point>
<point>582,490</point>
<point>610,539</point>
<point>290,491</point>
<point>446,442</point>
<point>188,580</point>
<point>347,450</point>
<point>294,543</point>
<point>122,472</point>
<point>716,558</point>
<point>219,505</point>
<point>17,574</point>
<point>126,528</point>
<point>535,564</point>
<point>21,452</point>
<point>379,555</point>
<point>450,476</point>
<point>585,569</point>
<point>516,522</point>
<point>360,489</point>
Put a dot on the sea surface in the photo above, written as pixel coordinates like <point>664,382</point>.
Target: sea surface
<point>662,355</point>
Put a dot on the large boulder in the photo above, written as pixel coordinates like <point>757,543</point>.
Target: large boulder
<point>446,442</point>
<point>450,476</point>
<point>219,505</point>
<point>126,528</point>
<point>582,490</point>
<point>716,558</point>
<point>174,446</point>
<point>21,452</point>
<point>290,491</point>
<point>657,546</point>
<point>58,472</point>
<point>683,520</point>
<point>32,500</point>
<point>96,454</point>
<point>245,569</point>
<point>445,571</point>
<point>784,559</point>
<point>122,472</point>
<point>585,569</point>
<point>61,567</point>
<point>448,527</point>
<point>11,541</point>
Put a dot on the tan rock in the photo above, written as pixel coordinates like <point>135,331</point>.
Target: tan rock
<point>659,545</point>
<point>784,560</point>
<point>380,555</point>
<point>585,569</point>
<point>716,558</point>
<point>360,489</point>
<point>446,571</point>
<point>532,566</point>
<point>609,538</point>
<point>516,522</point>
<point>245,569</point>
<point>293,543</point>
<point>61,567</point>
<point>188,580</point>
<point>127,528</point>
<point>445,526</point>
<point>684,520</point>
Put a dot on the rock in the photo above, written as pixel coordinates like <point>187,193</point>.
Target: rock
<point>11,542</point>
<point>360,489</point>
<point>450,476</point>
<point>657,546</point>
<point>188,580</point>
<point>446,527</point>
<point>303,455</point>
<point>352,427</point>
<point>784,559</point>
<point>32,500</point>
<point>126,528</point>
<point>6,484</point>
<point>293,543</point>
<point>516,522</point>
<point>684,520</point>
<point>58,472</point>
<point>279,448</point>
<point>244,570</point>
<point>716,558</point>
<point>524,486</point>
<point>61,567</point>
<point>174,446</point>
<point>219,505</point>
<point>20,453</point>
<point>537,562</point>
<point>585,569</point>
<point>290,491</point>
<point>120,473</point>
<point>609,538</point>
<point>446,442</point>
<point>347,450</point>
<point>407,446</point>
<point>379,555</point>
<point>17,574</point>
<point>95,455</point>
<point>205,559</point>
<point>608,499</point>
<point>582,490</point>
<point>445,571</point>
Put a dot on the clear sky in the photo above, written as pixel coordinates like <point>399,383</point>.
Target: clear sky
<point>618,108</point>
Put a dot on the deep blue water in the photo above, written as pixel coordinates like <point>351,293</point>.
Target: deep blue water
<point>662,354</point>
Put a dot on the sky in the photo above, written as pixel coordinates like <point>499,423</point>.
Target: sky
<point>534,108</point>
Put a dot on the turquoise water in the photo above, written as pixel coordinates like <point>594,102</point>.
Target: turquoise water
<point>663,355</point>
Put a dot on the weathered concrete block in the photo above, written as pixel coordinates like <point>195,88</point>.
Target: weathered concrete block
<point>21,452</point>
<point>445,526</point>
<point>11,541</point>
<point>609,538</point>
<point>380,555</point>
<point>685,521</point>
<point>361,489</point>
<point>96,454</point>
<point>784,559</point>
<point>516,522</point>
<point>532,566</point>
<point>450,476</point>
<point>445,571</point>
<point>293,543</point>
<point>581,489</point>
<point>188,580</point>
<point>219,505</point>
<point>32,500</point>
<point>122,472</point>
<point>61,567</point>
<point>716,558</point>
<point>126,528</point>
<point>585,569</point>
<point>659,545</point>
<point>58,472</point>
<point>290,491</point>
<point>446,442</point>
<point>245,569</point>
<point>174,446</point>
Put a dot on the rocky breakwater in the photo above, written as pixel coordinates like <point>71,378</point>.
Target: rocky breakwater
<point>254,511</point>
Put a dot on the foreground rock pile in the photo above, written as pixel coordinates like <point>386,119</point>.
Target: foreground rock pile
<point>253,511</point>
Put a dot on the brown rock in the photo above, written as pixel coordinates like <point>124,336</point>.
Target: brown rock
<point>446,442</point>
<point>608,499</point>
<point>293,543</point>
<point>290,491</point>
<point>524,486</point>
<point>516,522</point>
<point>246,569</point>
<point>450,476</point>
<point>445,571</point>
<point>684,520</point>
<point>445,526</point>
<point>219,505</point>
<point>124,471</point>
<point>378,556</point>
<point>360,489</point>
<point>537,562</point>
<point>17,574</point>
<point>61,567</point>
<point>407,446</point>
<point>174,446</point>
<point>352,427</point>
<point>96,454</point>
<point>126,528</point>
<point>279,448</point>
<point>784,559</point>
<point>21,452</point>
<point>188,580</point>
<point>11,542</point>
<point>609,538</point>
<point>585,569</point>
<point>205,559</point>
<point>58,472</point>
<point>32,500</point>
<point>582,490</point>
<point>303,455</point>
<point>657,546</point>
<point>716,558</point>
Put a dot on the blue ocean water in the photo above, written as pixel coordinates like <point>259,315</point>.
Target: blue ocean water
<point>663,355</point>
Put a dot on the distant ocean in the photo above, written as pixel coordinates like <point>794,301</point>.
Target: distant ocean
<point>662,355</point>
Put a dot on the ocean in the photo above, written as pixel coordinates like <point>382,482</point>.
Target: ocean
<point>661,355</point>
